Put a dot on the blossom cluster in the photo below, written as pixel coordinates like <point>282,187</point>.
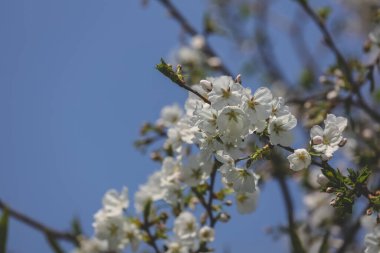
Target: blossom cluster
<point>219,123</point>
<point>221,130</point>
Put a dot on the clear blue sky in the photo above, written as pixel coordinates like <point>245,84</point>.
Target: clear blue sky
<point>77,79</point>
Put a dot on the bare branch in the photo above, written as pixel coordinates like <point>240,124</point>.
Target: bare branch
<point>50,232</point>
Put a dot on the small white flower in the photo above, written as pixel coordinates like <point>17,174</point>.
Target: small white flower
<point>170,171</point>
<point>331,137</point>
<point>299,160</point>
<point>225,92</point>
<point>114,203</point>
<point>279,108</point>
<point>92,245</point>
<point>151,191</point>
<point>232,123</point>
<point>176,247</point>
<point>132,236</point>
<point>170,115</point>
<point>207,234</point>
<point>206,119</point>
<point>185,226</point>
<point>259,106</point>
<point>246,202</point>
<point>173,193</point>
<point>198,42</point>
<point>196,171</point>
<point>188,55</point>
<point>109,228</point>
<point>279,129</point>
<point>241,180</point>
<point>339,122</point>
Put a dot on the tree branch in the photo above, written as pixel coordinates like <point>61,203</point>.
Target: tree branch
<point>176,14</point>
<point>50,232</point>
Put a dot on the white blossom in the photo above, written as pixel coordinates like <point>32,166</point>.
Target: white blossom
<point>110,229</point>
<point>259,107</point>
<point>246,202</point>
<point>114,203</point>
<point>279,129</point>
<point>151,191</point>
<point>170,115</point>
<point>92,245</point>
<point>299,160</point>
<point>176,247</point>
<point>233,124</point>
<point>207,234</point>
<point>241,180</point>
<point>195,171</point>
<point>132,236</point>
<point>186,226</point>
<point>225,92</point>
<point>330,136</point>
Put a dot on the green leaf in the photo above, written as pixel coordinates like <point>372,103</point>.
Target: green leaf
<point>54,244</point>
<point>363,175</point>
<point>4,230</point>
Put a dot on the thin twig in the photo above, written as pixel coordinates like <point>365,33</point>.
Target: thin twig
<point>204,204</point>
<point>296,243</point>
<point>186,87</point>
<point>152,238</point>
<point>176,14</point>
<point>211,192</point>
<point>52,233</point>
<point>327,39</point>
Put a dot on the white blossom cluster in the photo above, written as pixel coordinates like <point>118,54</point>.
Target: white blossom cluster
<point>113,231</point>
<point>324,142</point>
<point>218,129</point>
<point>188,234</point>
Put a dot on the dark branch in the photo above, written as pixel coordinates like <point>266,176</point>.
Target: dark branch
<point>50,232</point>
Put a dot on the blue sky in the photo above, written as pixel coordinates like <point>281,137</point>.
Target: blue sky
<point>77,79</point>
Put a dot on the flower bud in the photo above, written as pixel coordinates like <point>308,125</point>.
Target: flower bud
<point>198,42</point>
<point>323,79</point>
<point>322,180</point>
<point>224,217</point>
<point>317,140</point>
<point>333,202</point>
<point>339,194</point>
<point>330,190</point>
<point>206,85</point>
<point>331,95</point>
<point>214,62</point>
<point>238,79</point>
<point>342,142</point>
<point>228,203</point>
